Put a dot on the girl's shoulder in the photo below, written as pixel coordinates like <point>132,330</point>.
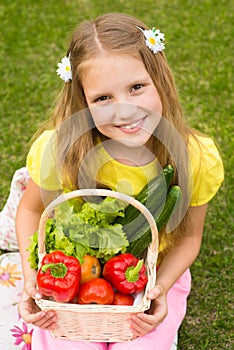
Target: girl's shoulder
<point>202,144</point>
<point>43,145</point>
<point>41,162</point>
<point>207,168</point>
<point>44,137</point>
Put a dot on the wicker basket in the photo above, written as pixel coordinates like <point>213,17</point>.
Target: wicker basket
<point>98,323</point>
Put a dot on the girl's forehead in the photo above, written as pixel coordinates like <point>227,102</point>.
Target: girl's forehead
<point>113,74</point>
<point>106,61</point>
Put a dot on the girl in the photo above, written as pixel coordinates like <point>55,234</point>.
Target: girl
<point>118,118</point>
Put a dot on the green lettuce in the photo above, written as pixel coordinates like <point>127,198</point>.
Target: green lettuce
<point>92,230</point>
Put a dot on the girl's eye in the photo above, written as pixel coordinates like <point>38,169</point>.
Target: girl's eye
<point>102,99</point>
<point>136,87</point>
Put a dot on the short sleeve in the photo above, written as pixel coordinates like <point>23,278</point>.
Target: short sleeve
<point>207,169</point>
<point>41,163</point>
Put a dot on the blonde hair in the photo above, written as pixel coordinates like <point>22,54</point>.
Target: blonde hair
<point>113,33</point>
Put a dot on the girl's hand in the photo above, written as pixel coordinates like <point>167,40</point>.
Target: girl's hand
<point>143,323</point>
<point>29,310</point>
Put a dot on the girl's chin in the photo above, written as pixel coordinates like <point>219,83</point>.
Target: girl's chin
<point>132,143</point>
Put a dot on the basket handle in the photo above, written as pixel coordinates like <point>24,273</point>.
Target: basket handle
<point>153,247</point>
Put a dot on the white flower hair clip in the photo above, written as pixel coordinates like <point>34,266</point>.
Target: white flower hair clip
<point>64,69</point>
<point>153,39</point>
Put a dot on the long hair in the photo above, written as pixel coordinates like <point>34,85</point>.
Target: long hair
<point>113,33</point>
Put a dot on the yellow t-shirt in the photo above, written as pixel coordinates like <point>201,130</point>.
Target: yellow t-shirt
<point>206,164</point>
<point>41,163</point>
<point>207,169</point>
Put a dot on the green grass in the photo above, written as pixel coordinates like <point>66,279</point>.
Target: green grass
<point>199,39</point>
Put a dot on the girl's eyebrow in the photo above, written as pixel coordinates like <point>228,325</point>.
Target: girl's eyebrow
<point>140,79</point>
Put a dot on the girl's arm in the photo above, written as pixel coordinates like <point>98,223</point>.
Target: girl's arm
<point>27,219</point>
<point>29,211</point>
<point>182,256</point>
<point>174,264</point>
<point>28,216</point>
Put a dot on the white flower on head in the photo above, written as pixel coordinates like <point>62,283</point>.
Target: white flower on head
<point>64,69</point>
<point>154,39</point>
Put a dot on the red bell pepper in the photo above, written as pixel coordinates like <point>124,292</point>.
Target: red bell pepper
<point>95,291</point>
<point>126,273</point>
<point>59,276</point>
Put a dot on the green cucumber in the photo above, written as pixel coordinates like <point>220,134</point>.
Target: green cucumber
<point>142,238</point>
<point>139,223</point>
<point>168,172</point>
<point>173,198</point>
<point>150,188</point>
<point>152,194</point>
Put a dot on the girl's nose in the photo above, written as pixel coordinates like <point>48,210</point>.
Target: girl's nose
<point>124,110</point>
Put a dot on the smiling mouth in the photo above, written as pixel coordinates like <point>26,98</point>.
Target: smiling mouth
<point>133,125</point>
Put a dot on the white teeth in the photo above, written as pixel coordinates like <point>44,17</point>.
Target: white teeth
<point>131,126</point>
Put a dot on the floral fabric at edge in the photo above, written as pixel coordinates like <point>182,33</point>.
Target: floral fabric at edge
<point>8,240</point>
<point>14,332</point>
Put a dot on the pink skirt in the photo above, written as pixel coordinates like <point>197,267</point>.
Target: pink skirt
<point>160,338</point>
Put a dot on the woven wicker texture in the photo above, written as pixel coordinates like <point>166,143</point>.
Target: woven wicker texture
<point>103,323</point>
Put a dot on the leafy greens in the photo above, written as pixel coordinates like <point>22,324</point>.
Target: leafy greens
<point>92,230</point>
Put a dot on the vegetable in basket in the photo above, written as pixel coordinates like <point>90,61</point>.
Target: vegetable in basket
<point>59,276</point>
<point>92,231</point>
<point>152,195</point>
<point>141,237</point>
<point>96,291</point>
<point>123,299</point>
<point>126,273</point>
<point>90,268</point>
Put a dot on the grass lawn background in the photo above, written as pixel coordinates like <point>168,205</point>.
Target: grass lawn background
<point>199,48</point>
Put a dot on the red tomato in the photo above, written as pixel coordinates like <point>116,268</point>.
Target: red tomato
<point>123,299</point>
<point>95,291</point>
<point>90,269</point>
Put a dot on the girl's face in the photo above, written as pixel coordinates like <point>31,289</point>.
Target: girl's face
<point>123,100</point>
